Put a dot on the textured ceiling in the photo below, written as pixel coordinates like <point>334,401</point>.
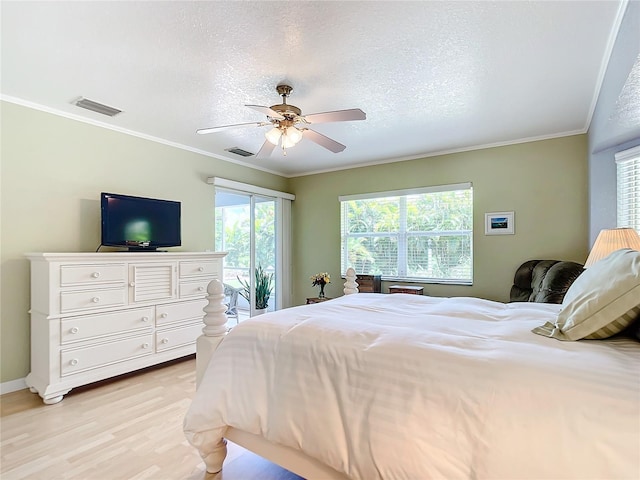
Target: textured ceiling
<point>432,77</point>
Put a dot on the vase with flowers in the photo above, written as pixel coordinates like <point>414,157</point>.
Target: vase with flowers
<point>321,279</point>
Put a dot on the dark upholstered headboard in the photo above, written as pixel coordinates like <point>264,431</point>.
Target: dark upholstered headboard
<point>544,281</point>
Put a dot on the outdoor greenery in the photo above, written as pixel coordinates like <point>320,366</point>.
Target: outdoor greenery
<point>233,236</point>
<point>419,236</point>
<point>264,287</point>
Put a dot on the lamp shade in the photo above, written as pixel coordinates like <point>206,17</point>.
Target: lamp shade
<point>609,241</point>
<point>290,137</point>
<point>273,135</point>
<point>294,134</point>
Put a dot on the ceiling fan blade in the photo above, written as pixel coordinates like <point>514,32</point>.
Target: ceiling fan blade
<point>337,116</point>
<point>265,150</point>
<point>204,131</point>
<point>266,111</point>
<point>323,141</point>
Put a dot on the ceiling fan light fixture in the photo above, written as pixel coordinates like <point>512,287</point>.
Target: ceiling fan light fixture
<point>273,135</point>
<point>290,137</point>
<point>294,135</point>
<point>286,142</point>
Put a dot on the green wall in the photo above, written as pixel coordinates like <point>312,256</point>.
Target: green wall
<point>53,170</point>
<point>543,182</point>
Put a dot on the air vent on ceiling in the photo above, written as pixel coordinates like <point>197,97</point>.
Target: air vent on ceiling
<point>96,107</point>
<point>239,151</point>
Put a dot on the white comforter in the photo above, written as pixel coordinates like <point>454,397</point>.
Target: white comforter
<point>413,387</point>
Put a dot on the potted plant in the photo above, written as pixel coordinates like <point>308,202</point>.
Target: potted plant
<point>264,287</point>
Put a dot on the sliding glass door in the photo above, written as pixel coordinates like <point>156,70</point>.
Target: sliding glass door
<point>245,227</point>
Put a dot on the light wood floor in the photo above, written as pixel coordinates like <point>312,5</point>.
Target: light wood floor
<point>123,429</point>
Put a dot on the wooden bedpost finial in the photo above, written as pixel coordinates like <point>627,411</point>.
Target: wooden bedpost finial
<point>350,286</point>
<point>215,318</point>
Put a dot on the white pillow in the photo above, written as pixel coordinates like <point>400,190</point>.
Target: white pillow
<point>602,301</point>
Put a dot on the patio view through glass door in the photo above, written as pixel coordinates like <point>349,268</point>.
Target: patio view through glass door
<point>245,227</point>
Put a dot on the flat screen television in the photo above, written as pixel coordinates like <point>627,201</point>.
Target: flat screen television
<point>138,223</point>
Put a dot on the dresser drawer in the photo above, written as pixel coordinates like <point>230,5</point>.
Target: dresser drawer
<point>202,268</point>
<point>91,326</point>
<point>81,359</point>
<point>71,275</point>
<point>177,337</point>
<point>179,312</point>
<point>196,288</point>
<point>92,299</point>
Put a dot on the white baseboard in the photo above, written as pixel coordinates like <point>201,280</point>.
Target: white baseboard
<point>12,386</point>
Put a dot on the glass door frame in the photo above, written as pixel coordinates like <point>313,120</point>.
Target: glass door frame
<point>282,236</point>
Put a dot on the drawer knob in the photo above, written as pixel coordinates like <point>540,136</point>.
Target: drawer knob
<point>75,330</point>
<point>95,299</point>
<point>145,345</point>
<point>132,284</point>
<point>145,319</point>
<point>201,289</point>
<point>201,269</point>
<point>164,340</point>
<point>74,362</point>
<point>95,274</point>
<point>164,315</point>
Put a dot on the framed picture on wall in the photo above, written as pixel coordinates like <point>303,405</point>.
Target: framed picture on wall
<point>499,223</point>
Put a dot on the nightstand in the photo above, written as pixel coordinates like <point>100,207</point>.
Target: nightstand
<point>317,300</point>
<point>406,289</point>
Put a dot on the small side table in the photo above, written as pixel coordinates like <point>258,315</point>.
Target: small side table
<point>412,289</point>
<point>317,300</point>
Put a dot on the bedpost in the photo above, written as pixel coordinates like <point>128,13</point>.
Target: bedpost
<point>350,286</point>
<point>215,327</point>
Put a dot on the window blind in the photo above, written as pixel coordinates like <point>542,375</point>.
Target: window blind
<point>420,234</point>
<point>628,188</point>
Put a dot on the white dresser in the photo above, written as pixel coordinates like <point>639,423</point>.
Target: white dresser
<point>98,315</point>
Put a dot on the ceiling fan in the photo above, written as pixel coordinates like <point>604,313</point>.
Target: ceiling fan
<point>290,126</point>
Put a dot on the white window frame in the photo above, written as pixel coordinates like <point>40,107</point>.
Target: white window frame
<point>628,188</point>
<point>401,235</point>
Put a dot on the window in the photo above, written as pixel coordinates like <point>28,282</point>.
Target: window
<point>628,188</point>
<point>421,234</point>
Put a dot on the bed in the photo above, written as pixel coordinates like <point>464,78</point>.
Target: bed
<point>404,386</point>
